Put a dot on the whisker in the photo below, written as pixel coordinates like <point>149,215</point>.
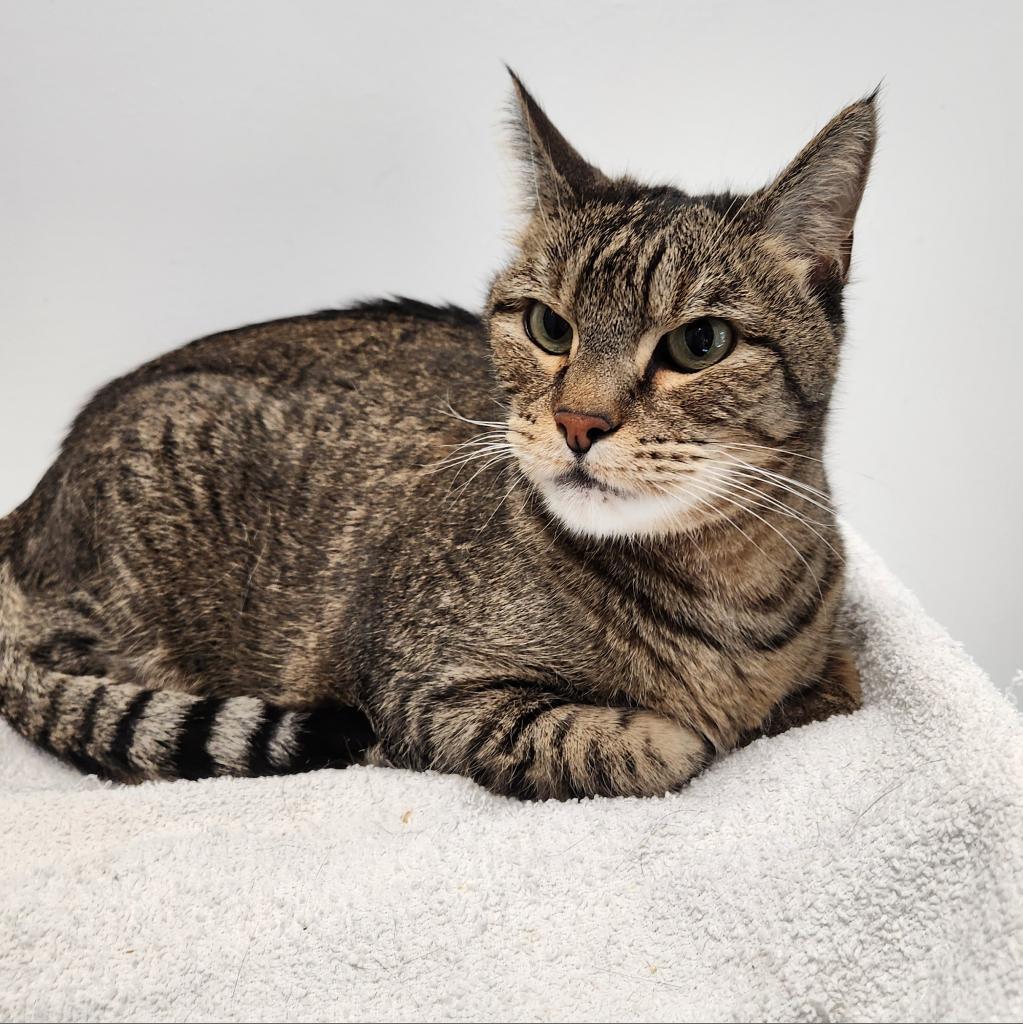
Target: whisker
<point>460,463</point>
<point>453,413</point>
<point>663,500</point>
<point>768,448</point>
<point>468,447</point>
<point>779,507</point>
<point>491,462</point>
<point>736,479</point>
<point>497,507</point>
<point>763,470</point>
<point>785,488</point>
<point>783,481</point>
<point>685,492</point>
<point>490,435</point>
<point>766,523</point>
<point>463,457</point>
<point>745,478</point>
<point>787,451</point>
<point>553,522</point>
<point>459,458</point>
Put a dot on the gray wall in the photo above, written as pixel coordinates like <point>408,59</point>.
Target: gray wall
<point>172,169</point>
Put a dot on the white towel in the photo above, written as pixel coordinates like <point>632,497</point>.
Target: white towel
<point>867,868</point>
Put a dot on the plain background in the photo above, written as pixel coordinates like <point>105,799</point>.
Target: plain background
<point>172,169</point>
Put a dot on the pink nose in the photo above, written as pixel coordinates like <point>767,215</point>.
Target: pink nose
<point>581,430</point>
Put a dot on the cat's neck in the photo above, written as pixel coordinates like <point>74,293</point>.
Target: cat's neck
<point>742,554</point>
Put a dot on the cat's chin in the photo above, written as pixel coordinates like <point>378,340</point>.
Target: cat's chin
<point>602,512</point>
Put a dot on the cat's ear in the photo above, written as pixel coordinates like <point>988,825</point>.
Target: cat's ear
<point>554,172</point>
<point>810,207</point>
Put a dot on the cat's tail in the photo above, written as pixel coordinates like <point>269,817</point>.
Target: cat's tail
<point>129,733</point>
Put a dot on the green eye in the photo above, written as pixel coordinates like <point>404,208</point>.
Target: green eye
<point>700,343</point>
<point>548,330</point>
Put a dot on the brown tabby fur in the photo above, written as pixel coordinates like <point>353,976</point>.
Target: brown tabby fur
<point>256,554</point>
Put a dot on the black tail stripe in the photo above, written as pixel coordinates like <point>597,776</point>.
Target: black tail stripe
<point>193,759</point>
<point>259,742</point>
<point>331,736</point>
<point>124,735</point>
<point>357,730</point>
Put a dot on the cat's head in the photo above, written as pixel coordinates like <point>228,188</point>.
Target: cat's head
<point>651,342</point>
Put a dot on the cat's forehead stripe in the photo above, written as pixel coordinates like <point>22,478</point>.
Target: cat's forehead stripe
<point>609,262</point>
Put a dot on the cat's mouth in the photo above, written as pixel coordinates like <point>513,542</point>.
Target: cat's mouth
<point>589,506</point>
<point>580,479</point>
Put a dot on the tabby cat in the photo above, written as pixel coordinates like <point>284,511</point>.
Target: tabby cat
<point>579,545</point>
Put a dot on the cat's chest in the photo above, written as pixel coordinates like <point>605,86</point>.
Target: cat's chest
<point>627,648</point>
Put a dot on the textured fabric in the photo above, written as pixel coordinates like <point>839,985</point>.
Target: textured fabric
<point>865,868</point>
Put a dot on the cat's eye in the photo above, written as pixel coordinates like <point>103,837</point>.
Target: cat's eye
<point>548,330</point>
<point>699,343</point>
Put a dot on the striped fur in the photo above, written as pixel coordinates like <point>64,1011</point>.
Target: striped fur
<point>129,733</point>
<point>254,547</point>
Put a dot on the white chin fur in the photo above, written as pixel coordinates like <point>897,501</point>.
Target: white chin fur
<point>595,513</point>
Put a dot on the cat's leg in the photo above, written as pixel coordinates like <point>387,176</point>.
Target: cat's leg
<point>517,739</point>
<point>836,691</point>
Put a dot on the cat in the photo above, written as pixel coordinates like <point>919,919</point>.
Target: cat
<point>577,546</point>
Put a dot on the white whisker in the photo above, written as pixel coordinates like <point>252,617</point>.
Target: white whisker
<point>489,435</point>
<point>453,413</point>
<point>685,492</point>
<point>773,504</point>
<point>769,525</point>
<point>497,507</point>
<point>736,479</point>
<point>785,482</point>
<point>767,448</point>
<point>491,462</point>
<point>460,458</point>
<point>801,495</point>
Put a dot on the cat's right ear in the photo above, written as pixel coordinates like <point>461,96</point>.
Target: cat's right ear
<point>555,174</point>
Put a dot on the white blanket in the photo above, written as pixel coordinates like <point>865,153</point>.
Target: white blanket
<point>866,868</point>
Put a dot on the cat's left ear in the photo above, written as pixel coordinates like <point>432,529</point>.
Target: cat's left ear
<point>554,172</point>
<point>810,207</point>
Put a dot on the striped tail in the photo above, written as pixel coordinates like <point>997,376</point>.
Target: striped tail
<point>130,734</point>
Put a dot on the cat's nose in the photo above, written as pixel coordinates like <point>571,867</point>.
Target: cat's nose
<point>581,430</point>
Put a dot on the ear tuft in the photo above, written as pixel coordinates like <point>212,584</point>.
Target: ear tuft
<point>555,172</point>
<point>811,206</point>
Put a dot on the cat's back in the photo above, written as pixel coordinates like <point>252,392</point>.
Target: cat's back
<point>355,388</point>
<point>373,353</point>
<point>276,427</point>
<point>217,498</point>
